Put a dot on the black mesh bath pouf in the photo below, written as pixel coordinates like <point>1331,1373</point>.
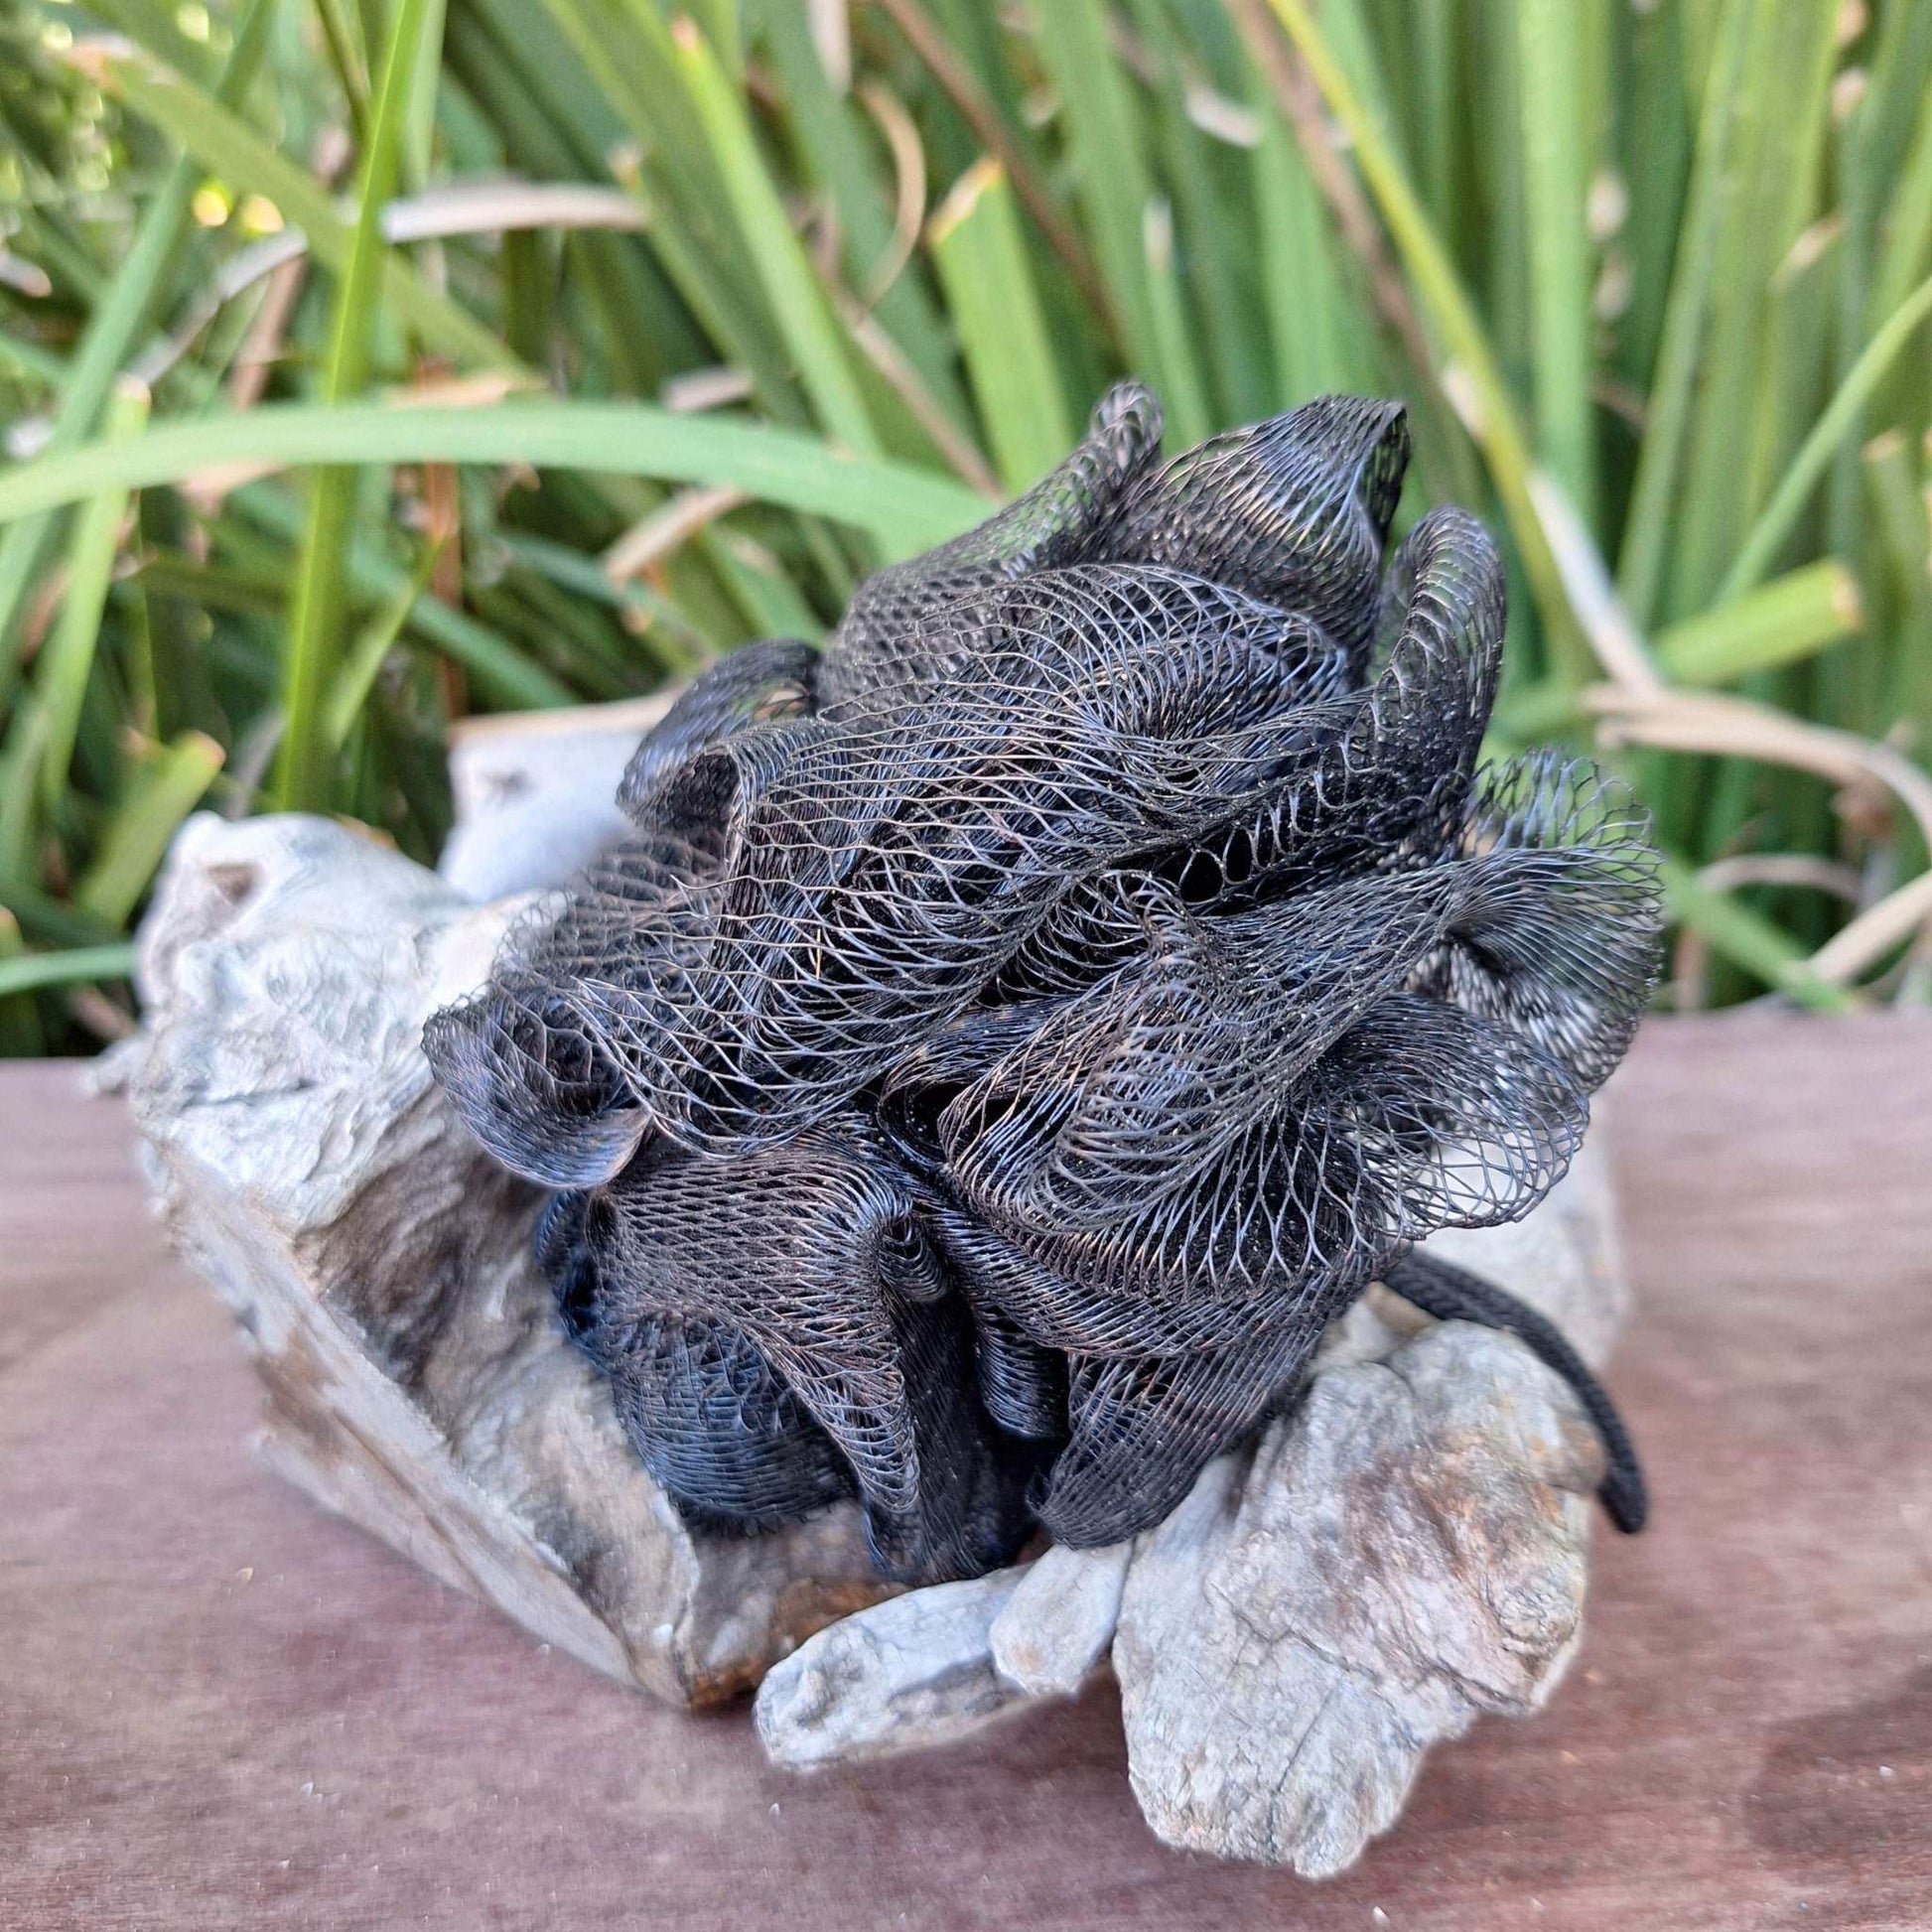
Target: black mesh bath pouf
<point>1007,1039</point>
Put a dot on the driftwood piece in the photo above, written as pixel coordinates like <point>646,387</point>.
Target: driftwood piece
<point>378,1263</point>
<point>1405,1552</point>
<point>534,793</point>
<point>1055,1630</point>
<point>913,1672</point>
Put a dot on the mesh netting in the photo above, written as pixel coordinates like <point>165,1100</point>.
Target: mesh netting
<point>1007,1039</point>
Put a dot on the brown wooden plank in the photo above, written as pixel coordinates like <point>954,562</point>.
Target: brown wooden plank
<point>68,1189</point>
<point>219,1707</point>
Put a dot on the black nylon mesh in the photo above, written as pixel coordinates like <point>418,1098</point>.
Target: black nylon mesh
<point>1009,1038</point>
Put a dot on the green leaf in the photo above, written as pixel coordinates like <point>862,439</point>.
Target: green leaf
<point>1556,176</point>
<point>907,510</point>
<point>839,161</point>
<point>1784,622</point>
<point>1496,423</point>
<point>345,55</point>
<point>1761,548</point>
<point>1174,345</point>
<point>1673,388</point>
<point>315,618</point>
<point>1747,940</point>
<point>1309,322</point>
<point>111,330</point>
<point>1906,235</point>
<point>227,147</point>
<point>1780,118</point>
<point>20,1036</point>
<point>29,972</point>
<point>792,287</point>
<point>361,664</point>
<point>1904,518</point>
<point>980,252</point>
<point>61,672</point>
<point>1781,623</point>
<point>1109,163</point>
<point>29,363</point>
<point>162,790</point>
<point>503,673</point>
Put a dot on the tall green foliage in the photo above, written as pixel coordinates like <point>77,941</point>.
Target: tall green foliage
<point>340,346</point>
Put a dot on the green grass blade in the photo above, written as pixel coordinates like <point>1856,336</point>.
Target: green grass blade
<point>1173,343</point>
<point>1496,424</point>
<point>65,666</point>
<point>52,921</point>
<point>645,610</point>
<point>1904,520</point>
<point>20,768</point>
<point>992,113</point>
<point>346,56</point>
<point>627,51</point>
<point>365,658</point>
<point>1783,116</point>
<point>1555,170</point>
<point>839,162</point>
<point>799,303</point>
<point>1768,535</point>
<point>162,790</point>
<point>503,674</point>
<point>1651,155</point>
<point>20,1036</point>
<point>1434,78</point>
<point>1747,940</point>
<point>29,972</point>
<point>1673,387</point>
<point>1308,324</point>
<point>905,510</point>
<point>315,618</point>
<point>1900,68</point>
<point>1779,623</point>
<point>722,28</point>
<point>1784,622</point>
<point>419,111</point>
<point>1803,308</point>
<point>769,596</point>
<point>30,364</point>
<point>980,253</point>
<point>1214,266</point>
<point>1109,162</point>
<point>1906,236</point>
<point>153,23</point>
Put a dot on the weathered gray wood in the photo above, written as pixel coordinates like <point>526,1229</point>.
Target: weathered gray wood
<point>1407,1550</point>
<point>533,793</point>
<point>1056,1628</point>
<point>911,1672</point>
<point>1404,1551</point>
<point>379,1264</point>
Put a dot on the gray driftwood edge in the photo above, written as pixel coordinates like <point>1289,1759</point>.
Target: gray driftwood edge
<point>1406,1550</point>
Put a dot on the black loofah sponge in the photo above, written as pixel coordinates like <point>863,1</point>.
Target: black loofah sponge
<point>1009,1038</point>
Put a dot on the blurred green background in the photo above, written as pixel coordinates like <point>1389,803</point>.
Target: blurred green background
<point>368,363</point>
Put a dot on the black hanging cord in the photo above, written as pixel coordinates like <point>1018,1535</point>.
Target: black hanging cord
<point>1452,1293</point>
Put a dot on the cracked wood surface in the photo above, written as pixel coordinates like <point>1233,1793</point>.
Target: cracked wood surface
<point>220,1708</point>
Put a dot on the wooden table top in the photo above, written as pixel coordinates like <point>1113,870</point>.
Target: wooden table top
<point>220,1708</point>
